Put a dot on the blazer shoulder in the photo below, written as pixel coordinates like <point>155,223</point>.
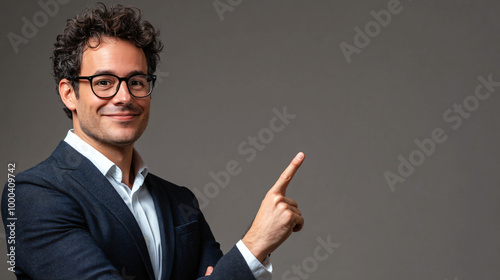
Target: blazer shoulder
<point>50,173</point>
<point>44,172</point>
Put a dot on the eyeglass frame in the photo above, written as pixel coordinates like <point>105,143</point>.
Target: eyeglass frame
<point>120,80</point>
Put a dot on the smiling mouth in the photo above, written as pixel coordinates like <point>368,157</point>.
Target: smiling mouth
<point>122,117</point>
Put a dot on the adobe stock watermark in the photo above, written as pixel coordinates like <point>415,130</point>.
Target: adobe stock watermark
<point>29,29</point>
<point>248,148</point>
<point>310,264</point>
<point>454,117</point>
<point>363,37</point>
<point>222,6</point>
<point>160,76</point>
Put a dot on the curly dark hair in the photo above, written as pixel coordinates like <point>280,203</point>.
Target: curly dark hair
<point>116,21</point>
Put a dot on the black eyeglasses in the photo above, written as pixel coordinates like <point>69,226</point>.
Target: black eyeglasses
<point>107,85</point>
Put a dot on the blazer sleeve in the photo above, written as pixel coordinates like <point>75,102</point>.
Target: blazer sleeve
<point>231,266</point>
<point>51,238</point>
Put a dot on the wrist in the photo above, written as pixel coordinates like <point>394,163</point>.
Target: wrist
<point>254,248</point>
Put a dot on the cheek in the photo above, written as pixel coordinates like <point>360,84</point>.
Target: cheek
<point>146,115</point>
<point>88,108</point>
<point>146,105</point>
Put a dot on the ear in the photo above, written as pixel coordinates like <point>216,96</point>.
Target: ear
<point>67,93</point>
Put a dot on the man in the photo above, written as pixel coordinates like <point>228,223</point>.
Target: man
<point>92,210</point>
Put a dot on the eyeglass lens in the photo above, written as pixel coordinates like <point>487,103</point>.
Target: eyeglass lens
<point>108,85</point>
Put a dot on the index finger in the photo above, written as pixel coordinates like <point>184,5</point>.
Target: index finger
<point>287,175</point>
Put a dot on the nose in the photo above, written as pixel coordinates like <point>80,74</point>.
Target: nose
<point>123,95</point>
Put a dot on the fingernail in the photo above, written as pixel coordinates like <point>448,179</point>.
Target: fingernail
<point>299,156</point>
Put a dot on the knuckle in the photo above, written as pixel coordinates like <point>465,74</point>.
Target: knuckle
<point>289,215</point>
<point>283,207</point>
<point>279,199</point>
<point>285,177</point>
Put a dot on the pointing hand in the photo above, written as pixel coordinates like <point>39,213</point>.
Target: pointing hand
<point>277,218</point>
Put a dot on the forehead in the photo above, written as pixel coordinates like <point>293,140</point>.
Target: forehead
<point>112,55</point>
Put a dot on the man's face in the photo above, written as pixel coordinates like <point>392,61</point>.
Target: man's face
<point>117,121</point>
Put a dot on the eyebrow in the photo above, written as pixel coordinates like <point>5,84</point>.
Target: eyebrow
<point>104,71</point>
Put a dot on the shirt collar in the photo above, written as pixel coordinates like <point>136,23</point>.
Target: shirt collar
<point>103,164</point>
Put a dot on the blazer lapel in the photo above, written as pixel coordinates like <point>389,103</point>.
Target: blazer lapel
<point>87,175</point>
<point>166,224</point>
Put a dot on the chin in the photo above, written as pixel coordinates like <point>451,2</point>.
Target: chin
<point>123,140</point>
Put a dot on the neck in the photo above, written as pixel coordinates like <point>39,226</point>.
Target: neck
<point>121,155</point>
<point>123,158</point>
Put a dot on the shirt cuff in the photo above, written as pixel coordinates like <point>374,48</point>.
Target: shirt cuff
<point>261,271</point>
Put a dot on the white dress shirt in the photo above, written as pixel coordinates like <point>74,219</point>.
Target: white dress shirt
<point>139,201</point>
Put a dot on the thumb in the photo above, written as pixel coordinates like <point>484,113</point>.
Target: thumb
<point>210,269</point>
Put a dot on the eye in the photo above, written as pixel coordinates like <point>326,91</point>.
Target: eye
<point>103,83</point>
<point>138,82</point>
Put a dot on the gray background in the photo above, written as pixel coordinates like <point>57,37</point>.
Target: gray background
<point>220,80</point>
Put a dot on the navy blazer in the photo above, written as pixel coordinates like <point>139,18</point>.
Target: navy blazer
<point>72,224</point>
